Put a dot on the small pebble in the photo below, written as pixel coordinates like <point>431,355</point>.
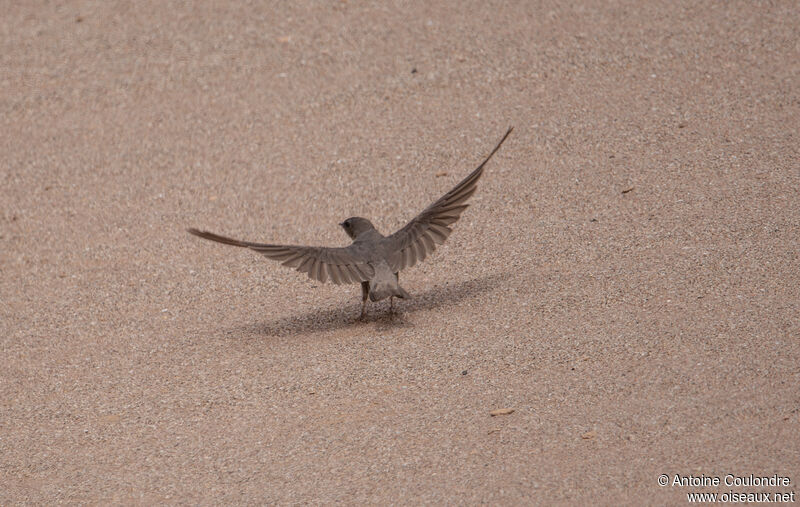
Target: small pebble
<point>501,411</point>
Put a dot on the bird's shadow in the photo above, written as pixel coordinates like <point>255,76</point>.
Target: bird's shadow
<point>378,314</point>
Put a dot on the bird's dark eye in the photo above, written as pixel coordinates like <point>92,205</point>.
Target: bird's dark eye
<point>347,223</point>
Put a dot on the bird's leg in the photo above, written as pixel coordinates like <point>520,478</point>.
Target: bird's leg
<point>364,296</point>
<point>391,299</point>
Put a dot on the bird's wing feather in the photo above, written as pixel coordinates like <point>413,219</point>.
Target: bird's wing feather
<point>339,265</point>
<point>419,237</point>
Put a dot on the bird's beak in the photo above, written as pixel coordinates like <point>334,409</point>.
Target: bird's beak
<point>341,224</point>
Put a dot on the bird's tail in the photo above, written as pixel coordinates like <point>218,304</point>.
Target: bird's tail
<point>381,290</point>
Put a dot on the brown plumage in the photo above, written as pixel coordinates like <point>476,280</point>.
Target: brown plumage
<point>373,259</point>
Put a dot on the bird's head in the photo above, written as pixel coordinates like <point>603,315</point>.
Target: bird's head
<point>355,226</point>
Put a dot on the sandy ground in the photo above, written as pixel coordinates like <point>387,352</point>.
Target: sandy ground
<point>626,280</point>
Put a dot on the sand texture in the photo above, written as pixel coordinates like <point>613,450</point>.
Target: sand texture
<point>624,288</point>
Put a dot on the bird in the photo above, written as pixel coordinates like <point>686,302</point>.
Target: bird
<point>372,259</point>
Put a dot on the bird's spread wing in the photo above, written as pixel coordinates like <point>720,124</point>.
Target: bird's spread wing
<point>338,265</point>
<point>420,236</point>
